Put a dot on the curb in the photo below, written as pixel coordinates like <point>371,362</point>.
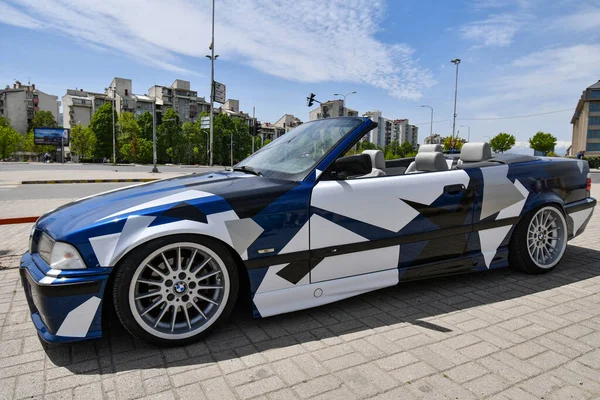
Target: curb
<point>19,220</point>
<point>49,182</point>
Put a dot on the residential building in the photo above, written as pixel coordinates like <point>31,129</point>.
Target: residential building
<point>232,108</point>
<point>181,98</point>
<point>380,135</point>
<point>388,130</point>
<point>80,105</point>
<point>434,139</point>
<point>272,131</point>
<point>332,109</point>
<point>586,122</point>
<point>20,104</point>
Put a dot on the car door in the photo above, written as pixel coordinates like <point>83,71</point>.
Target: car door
<point>369,225</point>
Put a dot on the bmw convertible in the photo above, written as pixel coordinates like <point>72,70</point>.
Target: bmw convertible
<point>303,222</point>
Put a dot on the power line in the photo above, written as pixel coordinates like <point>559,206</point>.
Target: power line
<point>497,118</point>
<point>516,116</point>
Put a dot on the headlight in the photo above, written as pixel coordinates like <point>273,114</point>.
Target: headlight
<point>65,256</point>
<point>44,247</point>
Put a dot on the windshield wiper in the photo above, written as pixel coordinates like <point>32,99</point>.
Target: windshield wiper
<point>246,169</point>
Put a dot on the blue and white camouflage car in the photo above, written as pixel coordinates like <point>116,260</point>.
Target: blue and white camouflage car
<point>301,223</point>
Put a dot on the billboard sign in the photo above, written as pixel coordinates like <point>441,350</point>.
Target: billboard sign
<point>220,93</point>
<point>51,136</point>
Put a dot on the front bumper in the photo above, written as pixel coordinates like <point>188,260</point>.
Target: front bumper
<point>579,214</point>
<point>65,305</point>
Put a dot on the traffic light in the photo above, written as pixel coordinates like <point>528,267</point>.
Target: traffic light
<point>255,129</point>
<point>310,99</point>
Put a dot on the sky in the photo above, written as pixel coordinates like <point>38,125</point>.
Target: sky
<point>518,57</point>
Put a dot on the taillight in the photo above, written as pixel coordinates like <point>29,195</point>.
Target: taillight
<point>588,183</point>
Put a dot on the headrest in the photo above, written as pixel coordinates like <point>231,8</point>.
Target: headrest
<point>427,148</point>
<point>377,158</point>
<point>475,152</point>
<point>430,161</point>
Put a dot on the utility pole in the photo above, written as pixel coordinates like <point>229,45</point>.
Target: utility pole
<point>212,83</point>
<point>154,169</point>
<point>469,132</point>
<point>456,61</point>
<point>431,124</point>
<point>114,103</point>
<point>253,127</point>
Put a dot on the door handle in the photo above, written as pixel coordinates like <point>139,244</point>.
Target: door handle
<point>454,189</point>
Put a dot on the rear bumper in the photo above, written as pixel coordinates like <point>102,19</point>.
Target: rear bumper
<point>65,305</point>
<point>579,214</point>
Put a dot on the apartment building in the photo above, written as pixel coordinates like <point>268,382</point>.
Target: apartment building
<point>586,122</point>
<point>388,130</point>
<point>181,98</point>
<point>80,105</point>
<point>272,131</point>
<point>382,134</point>
<point>434,139</point>
<point>20,103</point>
<point>332,109</point>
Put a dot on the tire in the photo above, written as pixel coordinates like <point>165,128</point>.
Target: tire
<point>174,290</point>
<point>539,241</point>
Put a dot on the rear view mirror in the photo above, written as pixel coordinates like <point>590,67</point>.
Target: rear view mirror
<point>345,167</point>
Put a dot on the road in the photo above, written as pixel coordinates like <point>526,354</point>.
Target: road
<point>101,167</point>
<point>67,191</point>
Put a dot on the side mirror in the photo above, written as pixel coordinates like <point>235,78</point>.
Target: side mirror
<point>345,167</point>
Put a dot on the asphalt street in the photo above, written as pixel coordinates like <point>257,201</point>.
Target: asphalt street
<point>102,167</point>
<point>61,191</point>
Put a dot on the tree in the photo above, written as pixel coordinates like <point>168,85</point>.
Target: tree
<point>543,142</point>
<point>169,137</point>
<point>83,141</point>
<point>406,148</point>
<point>502,142</point>
<point>9,141</point>
<point>129,132</point>
<point>458,143</point>
<point>43,119</point>
<point>145,151</point>
<point>102,126</point>
<point>4,122</point>
<point>144,121</point>
<point>191,140</point>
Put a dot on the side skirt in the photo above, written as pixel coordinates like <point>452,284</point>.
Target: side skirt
<point>319,293</point>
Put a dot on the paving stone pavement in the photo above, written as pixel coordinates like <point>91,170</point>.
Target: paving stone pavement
<point>498,335</point>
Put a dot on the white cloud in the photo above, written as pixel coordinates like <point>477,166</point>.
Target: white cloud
<point>495,31</point>
<point>298,40</point>
<point>586,19</point>
<point>11,15</point>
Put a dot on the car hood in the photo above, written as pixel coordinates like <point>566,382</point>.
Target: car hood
<point>243,193</point>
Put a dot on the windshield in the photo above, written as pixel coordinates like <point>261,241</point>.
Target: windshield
<point>293,155</point>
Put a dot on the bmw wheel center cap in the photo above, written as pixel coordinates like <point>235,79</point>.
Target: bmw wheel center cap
<point>180,287</point>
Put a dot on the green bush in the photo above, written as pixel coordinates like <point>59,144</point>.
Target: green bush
<point>594,161</point>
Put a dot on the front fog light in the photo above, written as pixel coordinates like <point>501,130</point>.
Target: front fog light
<point>65,256</point>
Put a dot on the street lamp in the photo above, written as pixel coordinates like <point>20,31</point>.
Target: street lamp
<point>431,124</point>
<point>344,96</point>
<point>456,61</point>
<point>114,105</point>
<point>469,132</point>
<point>154,169</point>
<point>212,58</point>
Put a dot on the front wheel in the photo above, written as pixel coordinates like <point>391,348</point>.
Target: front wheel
<point>173,290</point>
<point>539,241</point>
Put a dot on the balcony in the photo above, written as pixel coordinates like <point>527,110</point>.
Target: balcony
<point>36,100</point>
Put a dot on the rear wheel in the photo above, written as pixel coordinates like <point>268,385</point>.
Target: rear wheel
<point>539,241</point>
<point>173,291</point>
